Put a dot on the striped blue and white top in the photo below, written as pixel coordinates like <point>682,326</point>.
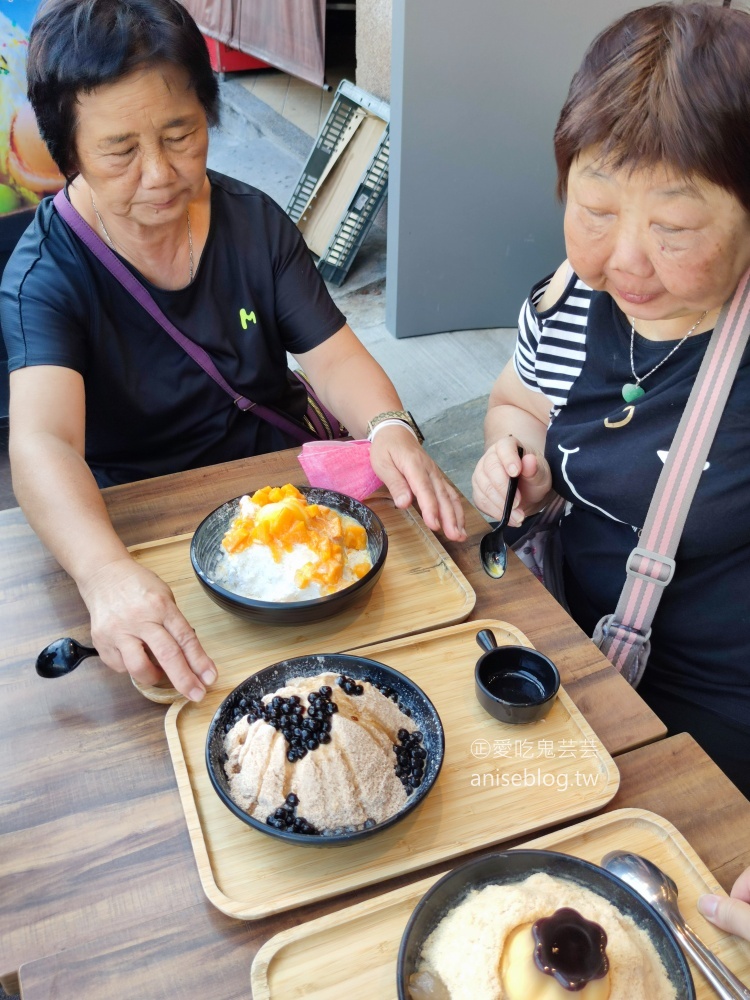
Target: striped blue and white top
<point>551,345</point>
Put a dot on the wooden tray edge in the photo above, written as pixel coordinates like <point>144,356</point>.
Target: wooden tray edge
<point>433,542</point>
<point>155,543</point>
<point>159,695</point>
<point>478,623</point>
<point>268,951</point>
<point>190,810</point>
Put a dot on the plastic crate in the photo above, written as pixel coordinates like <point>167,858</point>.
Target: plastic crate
<point>350,108</point>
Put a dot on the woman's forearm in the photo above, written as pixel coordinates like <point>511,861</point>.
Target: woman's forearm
<point>135,624</point>
<point>62,503</point>
<point>354,386</point>
<point>350,381</point>
<point>374,394</point>
<point>507,419</point>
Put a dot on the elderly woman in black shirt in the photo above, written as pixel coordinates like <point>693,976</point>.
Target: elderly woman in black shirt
<point>124,96</point>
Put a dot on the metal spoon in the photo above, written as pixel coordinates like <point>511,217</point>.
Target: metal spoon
<point>492,549</point>
<point>62,656</point>
<point>660,892</point>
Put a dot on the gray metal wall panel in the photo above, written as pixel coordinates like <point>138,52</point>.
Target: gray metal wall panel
<point>476,89</point>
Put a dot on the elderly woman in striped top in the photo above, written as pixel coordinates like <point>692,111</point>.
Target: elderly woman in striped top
<point>652,148</point>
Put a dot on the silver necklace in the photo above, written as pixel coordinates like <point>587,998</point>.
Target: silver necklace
<point>634,390</point>
<point>109,239</point>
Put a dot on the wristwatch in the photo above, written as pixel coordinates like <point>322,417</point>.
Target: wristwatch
<point>395,416</point>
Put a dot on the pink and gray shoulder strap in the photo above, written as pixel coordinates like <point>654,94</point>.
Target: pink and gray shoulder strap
<point>141,294</point>
<point>624,636</point>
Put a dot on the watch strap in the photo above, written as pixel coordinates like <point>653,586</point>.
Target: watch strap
<point>395,417</point>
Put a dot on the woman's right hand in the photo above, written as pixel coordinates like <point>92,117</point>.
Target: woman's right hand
<point>732,914</point>
<point>497,466</point>
<point>137,628</point>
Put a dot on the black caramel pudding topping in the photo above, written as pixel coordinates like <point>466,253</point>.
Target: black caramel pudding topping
<point>570,948</point>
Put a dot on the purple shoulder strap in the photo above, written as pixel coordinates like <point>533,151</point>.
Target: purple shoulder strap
<point>131,284</point>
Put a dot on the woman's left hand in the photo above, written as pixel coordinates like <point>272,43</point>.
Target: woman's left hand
<point>730,914</point>
<point>410,474</point>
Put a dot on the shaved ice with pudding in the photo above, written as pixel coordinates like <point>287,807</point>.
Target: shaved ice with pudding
<point>280,548</point>
<point>484,948</point>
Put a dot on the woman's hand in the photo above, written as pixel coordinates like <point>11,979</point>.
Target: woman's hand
<point>516,417</point>
<point>354,386</point>
<point>497,466</point>
<point>410,474</point>
<point>135,624</point>
<point>137,628</point>
<point>732,914</point>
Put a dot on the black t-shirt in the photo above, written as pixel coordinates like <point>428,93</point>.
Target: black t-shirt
<point>606,460</point>
<point>150,409</point>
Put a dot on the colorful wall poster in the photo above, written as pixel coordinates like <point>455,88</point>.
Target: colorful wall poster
<point>27,171</point>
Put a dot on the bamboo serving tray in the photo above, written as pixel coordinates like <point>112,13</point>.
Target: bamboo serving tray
<point>497,782</point>
<point>420,588</point>
<point>365,938</point>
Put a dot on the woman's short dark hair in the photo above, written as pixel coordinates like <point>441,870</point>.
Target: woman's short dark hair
<point>76,46</point>
<point>666,84</point>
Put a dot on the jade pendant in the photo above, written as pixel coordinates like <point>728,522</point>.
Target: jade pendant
<point>631,392</point>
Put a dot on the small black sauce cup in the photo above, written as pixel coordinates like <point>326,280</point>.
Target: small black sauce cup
<point>514,684</point>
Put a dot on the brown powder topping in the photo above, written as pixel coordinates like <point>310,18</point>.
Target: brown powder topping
<point>341,783</point>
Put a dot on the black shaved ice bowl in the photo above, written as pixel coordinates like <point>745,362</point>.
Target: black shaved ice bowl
<point>514,866</point>
<point>206,550</point>
<point>266,681</point>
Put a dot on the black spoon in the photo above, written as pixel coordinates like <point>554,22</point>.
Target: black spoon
<point>62,656</point>
<point>492,549</point>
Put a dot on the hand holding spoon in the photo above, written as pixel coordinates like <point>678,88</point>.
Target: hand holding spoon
<point>660,892</point>
<point>492,548</point>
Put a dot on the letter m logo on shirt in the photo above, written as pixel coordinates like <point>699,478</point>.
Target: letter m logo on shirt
<point>247,317</point>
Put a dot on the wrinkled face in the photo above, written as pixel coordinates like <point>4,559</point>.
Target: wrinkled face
<point>141,144</point>
<point>663,246</point>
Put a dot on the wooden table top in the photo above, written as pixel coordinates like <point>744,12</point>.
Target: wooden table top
<point>198,952</point>
<point>93,844</point>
